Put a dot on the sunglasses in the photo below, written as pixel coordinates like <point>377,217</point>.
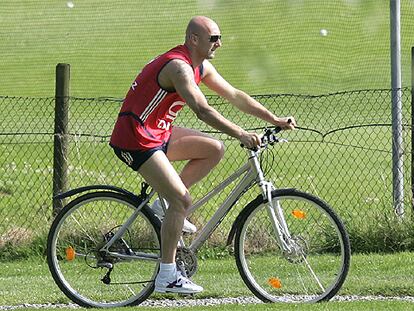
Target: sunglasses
<point>215,38</point>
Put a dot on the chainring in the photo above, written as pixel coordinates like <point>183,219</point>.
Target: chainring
<point>187,260</point>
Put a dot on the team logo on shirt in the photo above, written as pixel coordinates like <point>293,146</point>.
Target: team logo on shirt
<point>171,115</point>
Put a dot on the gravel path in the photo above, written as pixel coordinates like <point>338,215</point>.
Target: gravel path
<point>208,302</point>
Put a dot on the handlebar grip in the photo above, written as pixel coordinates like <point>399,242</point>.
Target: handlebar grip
<point>253,149</point>
<point>278,129</point>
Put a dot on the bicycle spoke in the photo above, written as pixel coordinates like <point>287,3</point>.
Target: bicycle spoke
<point>309,263</point>
<point>313,273</point>
<point>90,276</point>
<point>83,229</point>
<point>132,291</point>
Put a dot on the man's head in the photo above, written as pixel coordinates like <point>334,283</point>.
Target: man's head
<point>203,36</point>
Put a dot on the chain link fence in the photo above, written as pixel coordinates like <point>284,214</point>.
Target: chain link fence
<point>342,152</point>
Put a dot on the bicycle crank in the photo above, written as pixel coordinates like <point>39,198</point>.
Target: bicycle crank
<point>186,261</point>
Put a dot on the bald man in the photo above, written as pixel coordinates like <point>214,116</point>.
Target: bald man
<point>144,138</point>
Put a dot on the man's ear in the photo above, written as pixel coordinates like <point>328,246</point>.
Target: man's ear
<point>194,38</point>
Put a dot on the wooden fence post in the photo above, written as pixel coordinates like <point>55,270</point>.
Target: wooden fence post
<point>60,150</point>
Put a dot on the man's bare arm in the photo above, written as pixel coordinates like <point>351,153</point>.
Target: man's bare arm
<point>181,76</point>
<point>241,100</point>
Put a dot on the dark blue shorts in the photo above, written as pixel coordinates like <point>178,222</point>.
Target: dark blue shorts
<point>134,159</point>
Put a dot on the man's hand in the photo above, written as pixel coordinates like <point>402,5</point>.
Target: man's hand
<point>250,140</point>
<point>286,123</point>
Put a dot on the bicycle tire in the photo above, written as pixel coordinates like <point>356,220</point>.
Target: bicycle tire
<point>81,228</point>
<point>314,272</point>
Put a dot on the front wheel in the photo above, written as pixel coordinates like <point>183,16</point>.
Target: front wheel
<point>90,276</point>
<point>314,261</point>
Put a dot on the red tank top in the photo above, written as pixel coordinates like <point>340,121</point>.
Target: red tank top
<point>148,110</point>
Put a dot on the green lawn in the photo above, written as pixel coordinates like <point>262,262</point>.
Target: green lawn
<point>29,281</point>
<point>349,168</point>
<point>268,46</point>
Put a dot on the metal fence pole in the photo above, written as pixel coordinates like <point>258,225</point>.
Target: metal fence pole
<point>60,133</point>
<point>397,141</point>
<point>412,126</point>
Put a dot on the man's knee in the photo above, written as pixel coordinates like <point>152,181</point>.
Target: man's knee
<point>217,150</point>
<point>181,203</point>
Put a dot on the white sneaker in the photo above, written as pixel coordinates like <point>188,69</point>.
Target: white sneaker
<point>181,285</point>
<point>158,210</point>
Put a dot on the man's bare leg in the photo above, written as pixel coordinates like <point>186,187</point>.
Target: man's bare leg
<point>161,175</point>
<point>203,153</point>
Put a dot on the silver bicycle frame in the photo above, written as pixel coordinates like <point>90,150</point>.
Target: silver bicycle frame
<point>126,225</point>
<point>207,230</point>
<point>251,173</point>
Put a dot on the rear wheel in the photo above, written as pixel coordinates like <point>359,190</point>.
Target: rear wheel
<point>317,263</point>
<point>93,278</point>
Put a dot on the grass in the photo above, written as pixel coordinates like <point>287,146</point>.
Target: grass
<point>350,169</point>
<point>106,46</point>
<point>323,306</point>
<point>107,42</point>
<point>355,306</point>
<point>389,275</point>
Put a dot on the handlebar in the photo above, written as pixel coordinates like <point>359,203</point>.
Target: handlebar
<point>269,138</point>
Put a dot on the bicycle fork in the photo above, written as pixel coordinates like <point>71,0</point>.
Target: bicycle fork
<point>277,219</point>
<point>274,211</point>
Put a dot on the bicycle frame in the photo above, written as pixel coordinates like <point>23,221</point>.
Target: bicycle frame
<point>249,177</point>
<point>251,173</point>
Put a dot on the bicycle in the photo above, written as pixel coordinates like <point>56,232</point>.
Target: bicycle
<point>103,248</point>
